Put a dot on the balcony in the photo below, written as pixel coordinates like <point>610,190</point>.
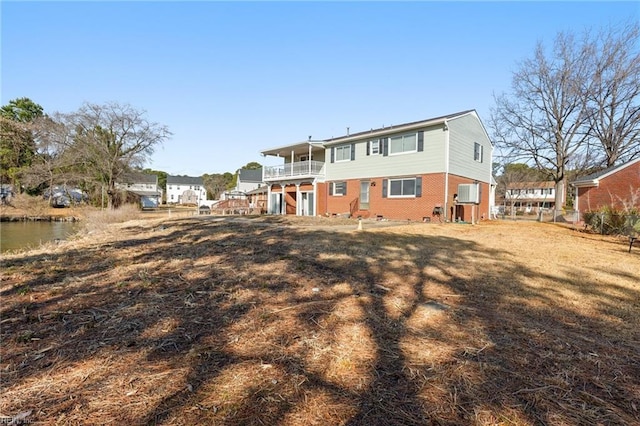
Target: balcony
<point>300,169</point>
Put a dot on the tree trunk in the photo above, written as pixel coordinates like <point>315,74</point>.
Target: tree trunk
<point>559,201</point>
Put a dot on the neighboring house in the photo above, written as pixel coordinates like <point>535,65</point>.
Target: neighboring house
<point>439,166</point>
<point>248,180</point>
<point>617,187</point>
<point>530,197</point>
<point>144,187</point>
<point>185,190</point>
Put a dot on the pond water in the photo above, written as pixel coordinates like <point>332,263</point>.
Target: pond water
<point>30,234</point>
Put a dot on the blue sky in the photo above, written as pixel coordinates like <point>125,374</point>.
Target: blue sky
<point>230,79</point>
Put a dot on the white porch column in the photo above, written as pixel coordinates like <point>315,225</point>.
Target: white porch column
<point>269,199</point>
<point>298,204</point>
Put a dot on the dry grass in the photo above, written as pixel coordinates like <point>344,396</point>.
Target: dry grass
<point>25,205</point>
<point>265,321</point>
<point>94,218</point>
<point>98,220</point>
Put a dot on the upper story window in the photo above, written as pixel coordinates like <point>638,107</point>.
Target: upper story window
<point>343,153</point>
<point>306,157</point>
<point>374,147</point>
<point>477,152</point>
<point>403,143</point>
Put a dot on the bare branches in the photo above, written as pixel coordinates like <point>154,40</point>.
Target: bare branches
<point>92,147</point>
<point>576,104</point>
<point>543,120</point>
<point>112,139</point>
<point>613,94</point>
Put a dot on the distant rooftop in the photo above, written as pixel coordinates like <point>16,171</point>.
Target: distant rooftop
<point>531,185</point>
<point>184,180</point>
<point>250,175</point>
<point>140,178</point>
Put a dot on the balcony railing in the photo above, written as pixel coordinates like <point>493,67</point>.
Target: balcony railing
<point>298,169</point>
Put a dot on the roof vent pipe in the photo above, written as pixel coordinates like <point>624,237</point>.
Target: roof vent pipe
<point>347,131</point>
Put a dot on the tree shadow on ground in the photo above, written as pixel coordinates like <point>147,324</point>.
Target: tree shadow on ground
<point>233,322</point>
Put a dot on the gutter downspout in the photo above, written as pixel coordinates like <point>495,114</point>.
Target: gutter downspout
<point>446,169</point>
<point>315,197</point>
<point>492,188</point>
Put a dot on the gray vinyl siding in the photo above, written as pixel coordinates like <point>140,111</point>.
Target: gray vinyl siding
<point>318,155</point>
<point>463,133</point>
<point>431,160</point>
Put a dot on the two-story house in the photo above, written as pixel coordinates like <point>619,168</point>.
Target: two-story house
<point>409,171</point>
<point>530,197</point>
<point>185,190</point>
<point>249,179</point>
<point>144,186</point>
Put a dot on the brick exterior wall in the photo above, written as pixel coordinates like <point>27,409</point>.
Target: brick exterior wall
<point>615,190</point>
<point>464,211</point>
<point>321,198</point>
<point>415,208</point>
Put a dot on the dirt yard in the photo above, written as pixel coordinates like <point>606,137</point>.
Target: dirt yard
<point>274,321</point>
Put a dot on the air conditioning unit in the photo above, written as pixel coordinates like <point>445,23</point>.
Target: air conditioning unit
<point>469,193</point>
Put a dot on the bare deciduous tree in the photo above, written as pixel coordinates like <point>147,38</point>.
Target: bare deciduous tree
<point>544,119</point>
<point>613,93</point>
<point>575,107</point>
<point>111,139</point>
